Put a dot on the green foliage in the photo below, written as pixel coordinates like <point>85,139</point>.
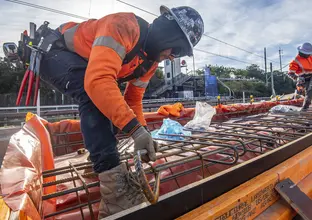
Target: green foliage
<point>199,72</point>
<point>255,85</point>
<point>156,81</point>
<point>159,73</point>
<point>10,77</point>
<point>253,81</point>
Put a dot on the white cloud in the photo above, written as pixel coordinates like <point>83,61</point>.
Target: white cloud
<point>249,24</point>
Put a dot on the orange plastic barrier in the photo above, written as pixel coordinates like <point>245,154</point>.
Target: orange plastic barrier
<point>64,132</point>
<point>29,154</point>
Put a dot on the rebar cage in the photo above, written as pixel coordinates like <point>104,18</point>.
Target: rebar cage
<point>181,159</point>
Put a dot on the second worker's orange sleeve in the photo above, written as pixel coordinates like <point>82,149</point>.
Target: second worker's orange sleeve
<point>294,67</point>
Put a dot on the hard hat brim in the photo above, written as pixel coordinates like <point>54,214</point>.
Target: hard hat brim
<point>164,9</point>
<point>304,51</point>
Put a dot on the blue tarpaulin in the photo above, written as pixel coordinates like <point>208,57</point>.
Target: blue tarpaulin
<point>211,84</point>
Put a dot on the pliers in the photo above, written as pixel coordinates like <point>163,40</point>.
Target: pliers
<point>30,75</point>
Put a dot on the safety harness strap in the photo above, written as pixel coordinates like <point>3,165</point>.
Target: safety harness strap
<point>144,67</point>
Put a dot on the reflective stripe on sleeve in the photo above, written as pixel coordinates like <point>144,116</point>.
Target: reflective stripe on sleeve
<point>108,41</point>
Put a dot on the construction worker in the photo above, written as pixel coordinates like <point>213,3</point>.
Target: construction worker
<point>300,70</point>
<point>91,59</point>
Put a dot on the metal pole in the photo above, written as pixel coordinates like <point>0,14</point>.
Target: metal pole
<point>265,69</point>
<point>243,96</point>
<point>272,80</point>
<point>280,57</point>
<point>193,65</point>
<point>62,99</point>
<point>194,74</point>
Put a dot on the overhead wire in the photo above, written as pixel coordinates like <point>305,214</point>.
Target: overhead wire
<point>47,9</point>
<point>141,9</point>
<point>85,18</point>
<point>231,45</point>
<point>285,65</point>
<point>219,55</point>
<point>90,8</point>
<point>206,35</point>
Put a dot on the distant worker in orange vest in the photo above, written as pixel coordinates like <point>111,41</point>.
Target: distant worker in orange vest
<point>300,70</point>
<point>89,61</point>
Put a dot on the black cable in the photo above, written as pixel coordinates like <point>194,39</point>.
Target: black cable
<point>285,65</point>
<point>237,47</point>
<point>230,58</point>
<point>141,9</point>
<point>203,34</point>
<point>85,18</point>
<point>47,9</point>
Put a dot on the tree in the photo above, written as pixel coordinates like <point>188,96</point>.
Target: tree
<point>10,77</point>
<point>199,72</point>
<point>159,73</point>
<point>254,71</point>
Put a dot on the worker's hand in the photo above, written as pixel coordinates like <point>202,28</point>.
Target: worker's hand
<point>292,76</point>
<point>300,82</point>
<point>146,128</point>
<point>156,146</point>
<point>143,140</point>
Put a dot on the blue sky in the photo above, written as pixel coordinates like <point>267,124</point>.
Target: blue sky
<point>248,24</point>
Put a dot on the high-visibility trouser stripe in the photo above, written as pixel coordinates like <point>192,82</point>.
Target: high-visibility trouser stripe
<point>140,83</point>
<point>300,65</point>
<point>108,41</point>
<point>69,37</point>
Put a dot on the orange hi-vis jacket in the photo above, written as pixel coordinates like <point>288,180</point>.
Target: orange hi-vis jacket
<point>301,66</point>
<point>105,43</point>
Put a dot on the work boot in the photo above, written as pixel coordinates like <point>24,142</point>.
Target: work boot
<point>303,109</point>
<point>306,104</point>
<point>119,191</point>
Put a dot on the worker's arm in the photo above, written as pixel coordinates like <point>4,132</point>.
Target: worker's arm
<point>114,37</point>
<point>135,91</point>
<point>293,70</point>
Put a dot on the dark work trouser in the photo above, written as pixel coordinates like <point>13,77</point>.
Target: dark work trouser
<point>65,71</point>
<point>308,95</point>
